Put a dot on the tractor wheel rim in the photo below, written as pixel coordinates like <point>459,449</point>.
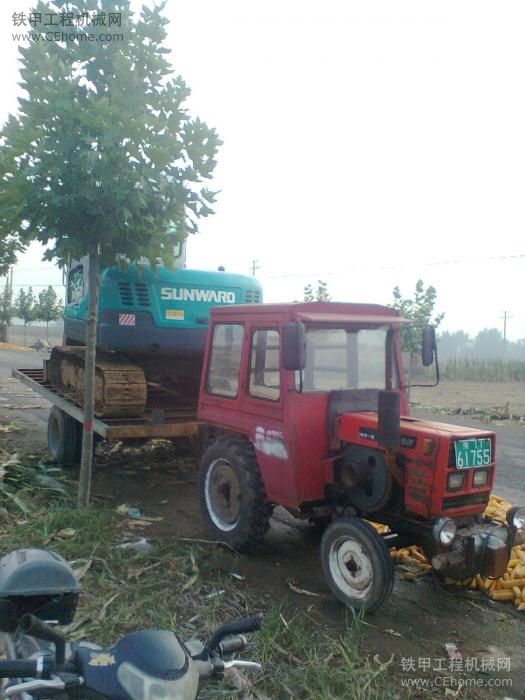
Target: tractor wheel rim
<point>350,567</point>
<point>223,495</point>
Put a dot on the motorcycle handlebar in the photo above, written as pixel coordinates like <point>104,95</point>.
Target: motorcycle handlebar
<point>232,645</point>
<point>34,627</point>
<point>42,667</point>
<point>246,624</point>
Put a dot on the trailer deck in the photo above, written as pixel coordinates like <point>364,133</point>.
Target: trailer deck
<point>160,419</point>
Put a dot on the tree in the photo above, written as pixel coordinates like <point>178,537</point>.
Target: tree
<point>9,246</point>
<point>25,308</point>
<point>321,293</point>
<point>49,307</point>
<point>488,344</point>
<point>103,158</point>
<point>420,309</point>
<point>7,309</point>
<point>454,345</point>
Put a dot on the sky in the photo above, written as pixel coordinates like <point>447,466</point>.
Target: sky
<point>366,143</point>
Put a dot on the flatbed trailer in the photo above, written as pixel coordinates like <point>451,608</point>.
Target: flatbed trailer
<point>165,416</point>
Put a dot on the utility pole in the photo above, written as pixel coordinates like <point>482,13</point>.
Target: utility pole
<point>505,316</point>
<point>254,266</point>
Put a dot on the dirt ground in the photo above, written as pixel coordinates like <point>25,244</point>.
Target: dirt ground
<point>473,395</point>
<point>415,623</point>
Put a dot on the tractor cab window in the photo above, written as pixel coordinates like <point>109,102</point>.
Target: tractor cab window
<point>264,365</point>
<point>225,360</point>
<point>339,358</point>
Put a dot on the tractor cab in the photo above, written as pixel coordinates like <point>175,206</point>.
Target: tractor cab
<point>283,373</point>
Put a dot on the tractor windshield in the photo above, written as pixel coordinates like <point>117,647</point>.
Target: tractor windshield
<point>339,358</point>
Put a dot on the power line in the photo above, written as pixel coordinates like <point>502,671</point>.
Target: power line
<point>37,285</point>
<point>400,266</point>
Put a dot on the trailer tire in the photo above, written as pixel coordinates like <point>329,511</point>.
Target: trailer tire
<point>356,564</point>
<point>64,437</point>
<point>232,494</point>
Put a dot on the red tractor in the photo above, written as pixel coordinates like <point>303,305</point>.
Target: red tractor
<point>306,407</point>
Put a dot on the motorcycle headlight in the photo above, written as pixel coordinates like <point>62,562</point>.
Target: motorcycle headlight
<point>481,477</point>
<point>516,517</point>
<point>455,481</point>
<point>140,686</point>
<point>444,531</point>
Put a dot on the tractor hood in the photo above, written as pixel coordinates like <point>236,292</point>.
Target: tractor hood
<point>362,427</point>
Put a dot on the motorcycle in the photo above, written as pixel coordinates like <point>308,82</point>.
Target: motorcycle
<point>38,591</point>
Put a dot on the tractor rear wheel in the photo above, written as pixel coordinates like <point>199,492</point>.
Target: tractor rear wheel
<point>232,494</point>
<point>64,437</point>
<point>356,564</point>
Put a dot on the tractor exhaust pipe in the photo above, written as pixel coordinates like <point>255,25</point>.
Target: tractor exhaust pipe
<point>388,419</point>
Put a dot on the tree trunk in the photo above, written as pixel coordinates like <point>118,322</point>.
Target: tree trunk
<point>86,462</point>
<point>47,332</point>
<point>25,333</point>
<point>3,333</point>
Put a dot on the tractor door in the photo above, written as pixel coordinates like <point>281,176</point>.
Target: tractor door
<point>262,406</point>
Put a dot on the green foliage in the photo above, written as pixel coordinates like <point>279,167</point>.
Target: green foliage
<point>421,309</point>
<point>7,308</point>
<point>320,294</point>
<point>453,344</point>
<point>103,152</point>
<point>25,306</point>
<point>49,307</point>
<point>479,370</point>
<point>9,247</point>
<point>488,344</point>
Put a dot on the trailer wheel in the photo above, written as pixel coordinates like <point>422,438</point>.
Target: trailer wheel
<point>64,437</point>
<point>232,494</point>
<point>356,564</point>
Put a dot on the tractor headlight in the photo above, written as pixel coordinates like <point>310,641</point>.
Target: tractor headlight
<point>516,517</point>
<point>455,481</point>
<point>481,477</point>
<point>444,531</point>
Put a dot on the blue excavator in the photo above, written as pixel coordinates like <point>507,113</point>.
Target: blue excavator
<point>151,330</point>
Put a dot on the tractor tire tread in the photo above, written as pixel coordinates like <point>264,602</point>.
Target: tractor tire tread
<point>255,518</point>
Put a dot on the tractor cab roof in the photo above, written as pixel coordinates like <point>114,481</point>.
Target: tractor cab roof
<point>317,312</point>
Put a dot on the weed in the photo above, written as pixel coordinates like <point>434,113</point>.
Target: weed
<point>25,479</point>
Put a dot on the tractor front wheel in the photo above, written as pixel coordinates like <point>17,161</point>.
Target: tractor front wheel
<point>232,494</point>
<point>356,564</point>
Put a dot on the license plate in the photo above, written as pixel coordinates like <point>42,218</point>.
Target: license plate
<point>476,452</point>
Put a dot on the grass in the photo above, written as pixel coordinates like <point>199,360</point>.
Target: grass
<point>187,587</point>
